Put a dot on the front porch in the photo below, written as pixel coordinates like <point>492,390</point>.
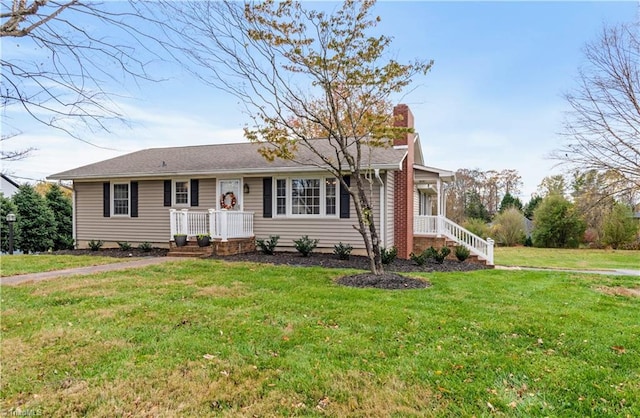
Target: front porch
<point>231,232</point>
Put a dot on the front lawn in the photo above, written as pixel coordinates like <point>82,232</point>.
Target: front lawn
<point>567,258</point>
<point>207,337</point>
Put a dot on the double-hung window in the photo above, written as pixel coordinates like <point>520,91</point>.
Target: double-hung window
<point>312,196</point>
<point>121,199</point>
<point>181,193</point>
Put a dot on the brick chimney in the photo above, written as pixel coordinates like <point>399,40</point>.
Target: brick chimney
<point>403,182</point>
<point>403,118</point>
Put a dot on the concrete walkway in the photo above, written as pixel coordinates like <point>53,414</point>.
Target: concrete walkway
<point>37,277</point>
<point>613,272</point>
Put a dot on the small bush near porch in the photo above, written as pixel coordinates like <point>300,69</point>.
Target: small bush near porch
<point>208,337</point>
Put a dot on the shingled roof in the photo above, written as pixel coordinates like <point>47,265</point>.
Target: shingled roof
<point>204,160</point>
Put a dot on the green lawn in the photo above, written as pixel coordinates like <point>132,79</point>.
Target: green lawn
<point>567,258</point>
<point>205,337</point>
<point>21,264</point>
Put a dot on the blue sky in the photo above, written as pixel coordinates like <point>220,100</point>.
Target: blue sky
<point>493,99</point>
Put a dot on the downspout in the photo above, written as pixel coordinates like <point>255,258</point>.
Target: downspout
<point>383,214</point>
<point>74,217</point>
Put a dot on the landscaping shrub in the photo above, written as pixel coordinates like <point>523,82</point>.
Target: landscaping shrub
<point>430,254</point>
<point>268,247</point>
<point>477,226</point>
<point>442,254</point>
<point>462,253</point>
<point>509,227</point>
<point>388,255</point>
<point>342,250</point>
<point>619,227</point>
<point>420,259</point>
<point>95,245</point>
<point>305,245</point>
<point>557,224</point>
<point>145,246</point>
<point>124,245</point>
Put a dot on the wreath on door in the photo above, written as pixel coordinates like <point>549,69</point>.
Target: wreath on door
<point>228,200</point>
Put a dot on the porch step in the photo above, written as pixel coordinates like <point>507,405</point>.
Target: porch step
<point>190,250</point>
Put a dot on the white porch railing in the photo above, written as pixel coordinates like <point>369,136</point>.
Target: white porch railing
<point>219,224</point>
<point>441,226</point>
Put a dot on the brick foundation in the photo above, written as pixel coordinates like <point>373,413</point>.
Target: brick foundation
<point>231,247</point>
<point>235,246</point>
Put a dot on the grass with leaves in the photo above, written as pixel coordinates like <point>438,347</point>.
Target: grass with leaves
<point>11,265</point>
<point>207,337</point>
<point>590,259</point>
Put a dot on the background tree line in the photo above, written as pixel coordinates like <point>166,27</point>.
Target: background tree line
<point>590,208</point>
<point>43,218</point>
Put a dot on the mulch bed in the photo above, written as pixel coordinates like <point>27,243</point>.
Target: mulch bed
<point>390,280</point>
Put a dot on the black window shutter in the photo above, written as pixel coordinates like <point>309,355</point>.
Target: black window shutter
<point>267,199</point>
<point>167,192</point>
<point>345,199</point>
<point>134,199</point>
<point>106,199</point>
<point>195,185</point>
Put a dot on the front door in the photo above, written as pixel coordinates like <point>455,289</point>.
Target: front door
<point>229,193</point>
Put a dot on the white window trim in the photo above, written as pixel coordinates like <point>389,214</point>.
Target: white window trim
<point>113,198</point>
<point>289,197</point>
<point>173,193</point>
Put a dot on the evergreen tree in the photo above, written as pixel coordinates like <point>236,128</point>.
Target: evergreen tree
<point>35,220</point>
<point>475,208</point>
<point>531,206</point>
<point>509,201</point>
<point>556,224</point>
<point>619,226</point>
<point>6,207</point>
<point>62,210</point>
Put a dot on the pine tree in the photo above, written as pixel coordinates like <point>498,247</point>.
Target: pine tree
<point>35,220</point>
<point>62,210</point>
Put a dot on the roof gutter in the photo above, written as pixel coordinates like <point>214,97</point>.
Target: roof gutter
<point>201,174</point>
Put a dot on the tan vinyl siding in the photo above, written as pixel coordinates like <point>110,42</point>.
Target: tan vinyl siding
<point>152,223</point>
<point>329,230</point>
<point>390,209</point>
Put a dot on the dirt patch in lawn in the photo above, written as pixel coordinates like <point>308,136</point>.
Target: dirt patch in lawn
<point>619,291</point>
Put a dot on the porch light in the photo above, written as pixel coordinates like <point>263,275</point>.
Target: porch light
<point>246,188</point>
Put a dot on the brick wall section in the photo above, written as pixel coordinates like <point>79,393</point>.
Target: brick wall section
<point>235,246</point>
<point>403,190</point>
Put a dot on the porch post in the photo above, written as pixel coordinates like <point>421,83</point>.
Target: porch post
<point>212,223</point>
<point>185,220</point>
<point>172,223</point>
<point>439,200</point>
<point>224,224</point>
<point>490,250</point>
